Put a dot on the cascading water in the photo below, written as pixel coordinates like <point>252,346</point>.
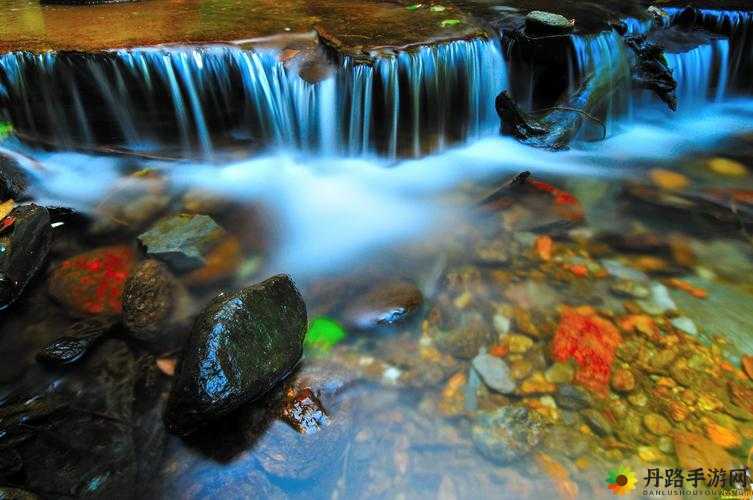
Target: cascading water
<point>737,27</point>
<point>603,56</point>
<point>701,73</point>
<point>406,103</point>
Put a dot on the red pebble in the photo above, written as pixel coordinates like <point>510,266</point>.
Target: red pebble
<point>92,282</point>
<point>590,341</point>
<point>6,223</point>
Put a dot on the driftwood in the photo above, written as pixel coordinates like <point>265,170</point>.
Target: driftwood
<point>556,126</point>
<point>650,70</point>
<point>559,124</point>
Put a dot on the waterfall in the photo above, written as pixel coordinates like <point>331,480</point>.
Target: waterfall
<point>698,72</point>
<point>603,55</point>
<point>196,98</point>
<point>737,27</point>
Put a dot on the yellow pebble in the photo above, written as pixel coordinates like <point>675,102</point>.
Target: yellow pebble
<point>666,179</point>
<point>649,454</point>
<point>725,166</point>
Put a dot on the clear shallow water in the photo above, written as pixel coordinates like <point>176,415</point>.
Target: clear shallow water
<point>626,273</point>
<point>406,411</point>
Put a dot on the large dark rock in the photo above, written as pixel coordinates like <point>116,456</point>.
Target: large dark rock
<point>13,181</point>
<point>23,250</point>
<point>241,345</point>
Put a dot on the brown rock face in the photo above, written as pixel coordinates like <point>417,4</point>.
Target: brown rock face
<point>153,301</point>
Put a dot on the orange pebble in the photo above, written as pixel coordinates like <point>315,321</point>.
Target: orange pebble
<point>544,246</point>
<point>679,284</point>
<point>500,350</point>
<point>578,270</point>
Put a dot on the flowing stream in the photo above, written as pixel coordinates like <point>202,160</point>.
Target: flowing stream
<point>381,172</point>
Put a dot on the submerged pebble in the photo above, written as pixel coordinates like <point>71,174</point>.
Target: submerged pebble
<point>506,435</point>
<point>494,372</point>
<point>92,282</point>
<point>385,304</point>
<point>183,241</point>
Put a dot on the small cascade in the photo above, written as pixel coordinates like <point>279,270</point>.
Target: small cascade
<point>406,103</point>
<point>701,73</point>
<point>603,56</point>
<point>737,27</point>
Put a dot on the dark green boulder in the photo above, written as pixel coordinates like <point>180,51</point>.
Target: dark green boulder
<point>24,245</point>
<point>241,345</point>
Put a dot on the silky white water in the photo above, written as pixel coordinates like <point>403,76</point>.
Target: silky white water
<point>330,211</point>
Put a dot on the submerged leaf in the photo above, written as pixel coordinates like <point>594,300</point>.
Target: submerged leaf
<point>5,130</point>
<point>450,22</point>
<point>415,6</point>
<point>438,8</point>
<point>324,334</point>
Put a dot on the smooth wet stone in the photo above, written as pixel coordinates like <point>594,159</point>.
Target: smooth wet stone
<point>597,422</point>
<point>76,341</point>
<point>494,372</point>
<point>466,339</point>
<point>623,380</point>
<point>536,384</point>
<point>657,424</point>
<point>23,250</point>
<point>519,344</point>
<point>131,205</point>
<point>385,304</point>
<point>560,373</point>
<point>630,289</point>
<point>573,397</point>
<point>13,180</point>
<point>182,241</point>
<point>241,345</point>
<point>154,302</point>
<point>547,23</point>
<point>92,283</point>
<point>659,302</point>
<point>623,272</point>
<point>694,450</point>
<point>506,435</point>
<point>685,324</point>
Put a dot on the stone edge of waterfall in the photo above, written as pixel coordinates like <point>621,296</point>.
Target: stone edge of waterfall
<point>446,87</point>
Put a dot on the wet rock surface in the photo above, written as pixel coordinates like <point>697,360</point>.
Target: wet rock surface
<point>23,250</point>
<point>154,302</point>
<point>92,283</point>
<point>13,180</point>
<point>182,241</point>
<point>506,435</point>
<point>547,23</point>
<point>87,447</point>
<point>76,341</point>
<point>385,305</point>
<point>241,345</point>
